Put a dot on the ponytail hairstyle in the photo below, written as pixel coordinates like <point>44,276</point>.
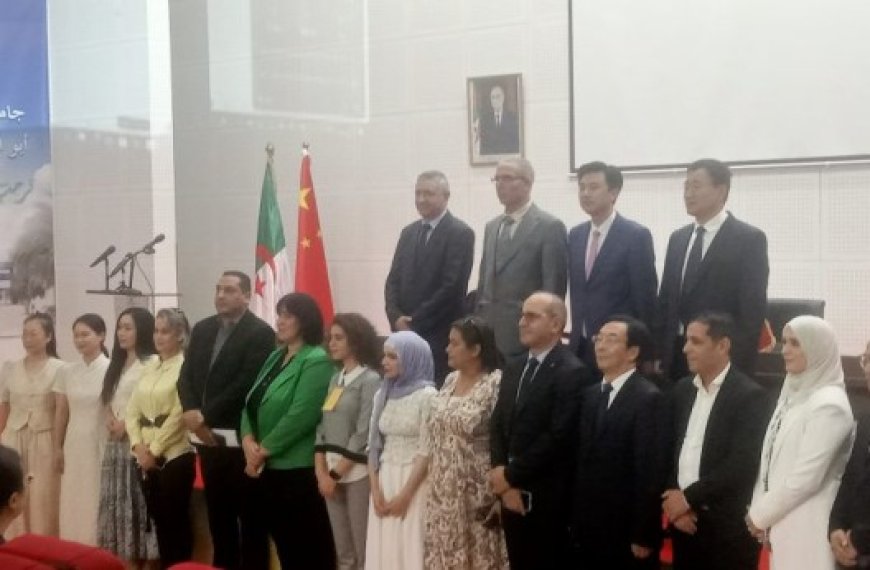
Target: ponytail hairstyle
<point>96,323</point>
<point>47,324</point>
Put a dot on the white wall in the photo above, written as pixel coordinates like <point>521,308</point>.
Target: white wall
<point>420,54</point>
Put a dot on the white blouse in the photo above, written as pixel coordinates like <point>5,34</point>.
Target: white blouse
<point>403,424</point>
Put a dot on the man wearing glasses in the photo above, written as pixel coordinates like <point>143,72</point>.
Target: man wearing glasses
<point>524,250</point>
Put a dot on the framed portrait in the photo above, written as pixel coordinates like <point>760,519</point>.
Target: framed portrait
<point>495,118</point>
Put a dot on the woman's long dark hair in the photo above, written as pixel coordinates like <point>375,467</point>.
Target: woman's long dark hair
<point>47,324</point>
<point>143,322</point>
<point>96,323</point>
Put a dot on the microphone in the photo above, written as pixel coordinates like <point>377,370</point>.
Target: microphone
<point>121,265</point>
<point>149,247</point>
<point>104,256</point>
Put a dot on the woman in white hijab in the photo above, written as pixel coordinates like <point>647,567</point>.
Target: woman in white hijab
<point>805,450</point>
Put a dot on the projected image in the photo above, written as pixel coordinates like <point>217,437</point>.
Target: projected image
<point>495,115</point>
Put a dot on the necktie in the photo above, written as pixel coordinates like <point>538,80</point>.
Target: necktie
<point>506,225</point>
<point>693,263</point>
<point>424,233</point>
<point>528,375</point>
<point>498,119</point>
<point>603,404</point>
<point>592,254</point>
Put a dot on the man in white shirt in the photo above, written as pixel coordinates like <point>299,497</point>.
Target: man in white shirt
<point>718,423</point>
<point>717,263</point>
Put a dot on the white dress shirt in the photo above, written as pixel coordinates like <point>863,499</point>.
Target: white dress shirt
<point>711,228</point>
<point>517,218</point>
<point>616,384</point>
<point>693,442</point>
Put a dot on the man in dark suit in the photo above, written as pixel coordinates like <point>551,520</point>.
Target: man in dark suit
<point>499,127</point>
<point>611,261</point>
<point>223,358</point>
<point>618,478</point>
<point>718,419</point>
<point>717,263</point>
<point>428,279</point>
<point>849,523</point>
<point>524,250</point>
<point>531,432</point>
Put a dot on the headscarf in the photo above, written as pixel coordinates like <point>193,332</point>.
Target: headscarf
<point>416,372</point>
<point>824,367</point>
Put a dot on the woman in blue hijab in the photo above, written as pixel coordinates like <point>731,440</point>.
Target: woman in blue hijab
<point>399,455</point>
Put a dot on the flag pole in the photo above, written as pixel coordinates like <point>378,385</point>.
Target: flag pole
<point>270,152</point>
<point>305,147</point>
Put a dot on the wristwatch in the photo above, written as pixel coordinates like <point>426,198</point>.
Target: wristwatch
<point>334,475</point>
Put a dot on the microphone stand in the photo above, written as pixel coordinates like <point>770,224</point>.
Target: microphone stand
<point>106,272</point>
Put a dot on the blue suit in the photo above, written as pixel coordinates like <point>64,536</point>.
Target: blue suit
<point>623,280</point>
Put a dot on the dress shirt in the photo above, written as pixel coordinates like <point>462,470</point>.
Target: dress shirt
<point>226,329</point>
<point>433,223</point>
<point>157,395</point>
<point>602,230</point>
<point>517,217</point>
<point>359,470</point>
<point>617,384</point>
<point>693,442</point>
<point>711,228</point>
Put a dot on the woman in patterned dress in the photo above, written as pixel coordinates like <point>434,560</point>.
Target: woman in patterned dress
<point>462,513</point>
<point>123,527</point>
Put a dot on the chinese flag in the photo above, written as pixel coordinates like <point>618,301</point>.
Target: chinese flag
<point>312,276</point>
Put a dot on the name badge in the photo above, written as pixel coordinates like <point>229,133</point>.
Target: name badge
<point>332,399</point>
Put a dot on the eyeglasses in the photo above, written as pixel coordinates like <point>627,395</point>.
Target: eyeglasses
<point>506,178</point>
<point>605,339</point>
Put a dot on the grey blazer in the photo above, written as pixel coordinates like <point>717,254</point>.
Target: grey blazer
<point>535,259</point>
<point>345,429</point>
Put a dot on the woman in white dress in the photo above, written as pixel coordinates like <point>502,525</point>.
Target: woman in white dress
<point>78,431</point>
<point>805,450</point>
<point>398,456</point>
<point>26,420</point>
<point>123,526</point>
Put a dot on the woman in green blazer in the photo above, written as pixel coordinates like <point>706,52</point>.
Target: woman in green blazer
<point>279,421</point>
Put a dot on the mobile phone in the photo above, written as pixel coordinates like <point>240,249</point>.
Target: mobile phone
<point>526,496</point>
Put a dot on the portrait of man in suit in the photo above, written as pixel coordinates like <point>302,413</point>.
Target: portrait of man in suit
<point>532,437</point>
<point>619,477</point>
<point>718,417</point>
<point>610,258</point>
<point>524,250</point>
<point>428,279</point>
<point>717,263</point>
<point>496,118</point>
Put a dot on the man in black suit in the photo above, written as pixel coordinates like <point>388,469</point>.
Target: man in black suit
<point>849,523</point>
<point>223,358</point>
<point>531,432</point>
<point>717,263</point>
<point>718,417</point>
<point>611,261</point>
<point>618,478</point>
<point>426,286</point>
<point>499,127</point>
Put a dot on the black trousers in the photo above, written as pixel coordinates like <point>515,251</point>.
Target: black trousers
<point>287,503</point>
<point>167,495</point>
<point>539,540</point>
<point>715,547</point>
<point>240,541</point>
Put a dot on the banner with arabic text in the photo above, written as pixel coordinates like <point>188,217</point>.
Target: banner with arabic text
<point>26,235</point>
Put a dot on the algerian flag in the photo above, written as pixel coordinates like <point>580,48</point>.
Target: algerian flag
<point>273,278</point>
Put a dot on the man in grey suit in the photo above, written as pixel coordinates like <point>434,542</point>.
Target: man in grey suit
<point>524,250</point>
